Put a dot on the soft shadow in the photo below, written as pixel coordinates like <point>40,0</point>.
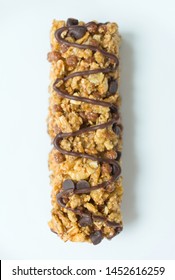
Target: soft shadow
<point>129,159</point>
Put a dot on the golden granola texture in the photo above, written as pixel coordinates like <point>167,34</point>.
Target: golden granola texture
<point>68,116</point>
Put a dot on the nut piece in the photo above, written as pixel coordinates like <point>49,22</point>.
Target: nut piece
<point>57,108</point>
<point>57,129</point>
<point>72,60</point>
<point>92,27</point>
<point>97,94</point>
<point>63,48</point>
<point>106,168</point>
<point>94,42</point>
<point>110,188</point>
<point>83,116</point>
<point>59,157</point>
<point>90,60</point>
<point>111,154</point>
<point>92,116</point>
<point>53,56</point>
<point>102,28</point>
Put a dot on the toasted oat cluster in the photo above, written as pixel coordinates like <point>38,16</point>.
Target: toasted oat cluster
<point>85,127</point>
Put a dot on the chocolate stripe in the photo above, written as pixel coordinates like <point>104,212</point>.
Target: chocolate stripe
<point>59,32</point>
<point>65,94</point>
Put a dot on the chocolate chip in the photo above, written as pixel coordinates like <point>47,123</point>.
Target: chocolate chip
<point>68,185</point>
<point>60,200</point>
<point>116,129</point>
<point>85,220</point>
<point>77,32</point>
<point>118,155</point>
<point>96,237</point>
<point>114,170</point>
<point>72,21</point>
<point>115,116</point>
<point>82,184</point>
<point>118,230</point>
<point>82,187</point>
<point>113,86</point>
<point>113,224</point>
<point>98,218</point>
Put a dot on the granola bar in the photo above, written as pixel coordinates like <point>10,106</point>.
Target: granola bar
<point>85,128</point>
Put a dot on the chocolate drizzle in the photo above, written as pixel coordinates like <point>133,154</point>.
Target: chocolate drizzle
<point>86,218</point>
<point>61,40</point>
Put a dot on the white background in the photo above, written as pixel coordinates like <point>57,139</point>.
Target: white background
<point>148,94</point>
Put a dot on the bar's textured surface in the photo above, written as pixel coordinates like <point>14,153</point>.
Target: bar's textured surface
<point>84,125</point>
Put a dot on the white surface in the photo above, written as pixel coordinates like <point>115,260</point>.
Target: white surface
<point>148,93</point>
